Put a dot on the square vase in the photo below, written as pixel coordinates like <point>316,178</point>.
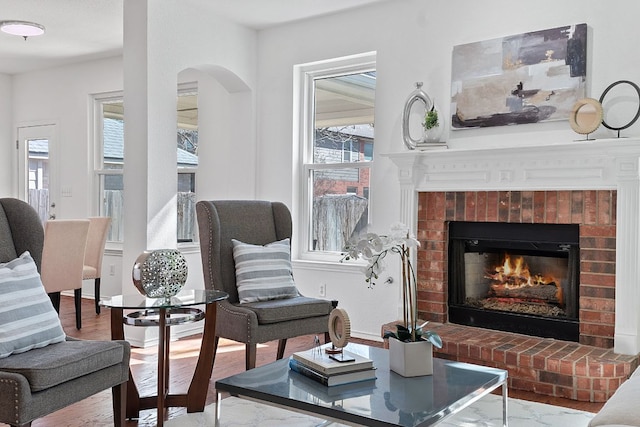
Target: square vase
<point>410,359</point>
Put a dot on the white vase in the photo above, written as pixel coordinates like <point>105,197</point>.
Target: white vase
<point>434,134</point>
<point>410,359</point>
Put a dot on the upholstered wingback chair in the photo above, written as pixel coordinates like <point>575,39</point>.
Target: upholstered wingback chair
<point>256,223</point>
<point>20,230</point>
<point>42,380</point>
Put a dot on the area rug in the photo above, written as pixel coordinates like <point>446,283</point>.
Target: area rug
<point>487,412</point>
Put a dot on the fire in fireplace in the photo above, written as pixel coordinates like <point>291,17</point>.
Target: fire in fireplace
<point>514,288</point>
<point>515,277</point>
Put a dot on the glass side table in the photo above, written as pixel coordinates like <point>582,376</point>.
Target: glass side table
<point>164,313</point>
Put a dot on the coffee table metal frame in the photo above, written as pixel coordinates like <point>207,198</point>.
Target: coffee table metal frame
<point>164,313</point>
<point>390,400</point>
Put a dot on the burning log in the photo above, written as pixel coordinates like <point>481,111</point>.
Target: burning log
<point>547,292</point>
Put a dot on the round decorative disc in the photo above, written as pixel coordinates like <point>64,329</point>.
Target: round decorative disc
<point>161,273</point>
<point>339,327</point>
<point>586,116</point>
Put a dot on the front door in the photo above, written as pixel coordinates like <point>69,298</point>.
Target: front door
<point>36,168</point>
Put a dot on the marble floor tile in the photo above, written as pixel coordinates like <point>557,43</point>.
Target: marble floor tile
<point>487,412</point>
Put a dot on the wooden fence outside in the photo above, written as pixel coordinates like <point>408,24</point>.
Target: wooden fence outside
<point>114,207</point>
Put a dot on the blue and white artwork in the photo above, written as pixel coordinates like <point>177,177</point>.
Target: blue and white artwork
<point>527,78</point>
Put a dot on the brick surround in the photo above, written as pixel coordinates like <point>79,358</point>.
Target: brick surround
<point>593,211</point>
<point>585,371</point>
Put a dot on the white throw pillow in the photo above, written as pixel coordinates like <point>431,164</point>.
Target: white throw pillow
<point>27,317</point>
<point>263,272</point>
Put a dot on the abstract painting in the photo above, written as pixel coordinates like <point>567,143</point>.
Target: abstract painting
<point>525,78</point>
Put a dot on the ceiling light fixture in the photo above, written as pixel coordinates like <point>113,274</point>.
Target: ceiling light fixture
<point>21,28</point>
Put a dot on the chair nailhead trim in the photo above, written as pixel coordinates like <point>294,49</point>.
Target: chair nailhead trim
<point>15,395</point>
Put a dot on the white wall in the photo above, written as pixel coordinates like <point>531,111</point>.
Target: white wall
<point>414,40</point>
<point>7,147</point>
<point>67,103</point>
<point>37,99</point>
<point>222,61</point>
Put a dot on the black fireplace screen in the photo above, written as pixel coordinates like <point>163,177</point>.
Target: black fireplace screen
<point>515,277</point>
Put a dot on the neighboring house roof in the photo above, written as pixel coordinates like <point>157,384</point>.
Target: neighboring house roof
<point>113,136</point>
<point>365,131</point>
<point>113,147</point>
<point>38,146</point>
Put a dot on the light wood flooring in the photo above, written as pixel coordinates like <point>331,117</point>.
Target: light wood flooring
<point>96,410</point>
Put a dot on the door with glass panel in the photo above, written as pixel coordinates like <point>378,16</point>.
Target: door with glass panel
<point>36,169</point>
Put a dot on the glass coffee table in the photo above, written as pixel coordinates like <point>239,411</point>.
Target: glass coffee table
<point>390,400</point>
<point>164,313</point>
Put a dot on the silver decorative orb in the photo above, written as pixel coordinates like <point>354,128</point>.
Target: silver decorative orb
<point>160,273</point>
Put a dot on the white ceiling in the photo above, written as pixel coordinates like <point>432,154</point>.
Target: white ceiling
<point>81,30</point>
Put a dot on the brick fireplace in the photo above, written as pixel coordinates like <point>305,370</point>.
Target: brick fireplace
<point>593,210</point>
<point>594,184</point>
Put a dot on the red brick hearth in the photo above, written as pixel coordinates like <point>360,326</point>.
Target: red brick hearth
<point>545,366</point>
<point>588,370</point>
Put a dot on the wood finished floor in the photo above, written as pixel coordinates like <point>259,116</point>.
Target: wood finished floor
<point>96,410</point>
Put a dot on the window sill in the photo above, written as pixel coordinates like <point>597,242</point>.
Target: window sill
<point>327,265</point>
<point>185,248</point>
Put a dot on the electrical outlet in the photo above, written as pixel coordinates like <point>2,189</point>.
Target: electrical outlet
<point>323,290</point>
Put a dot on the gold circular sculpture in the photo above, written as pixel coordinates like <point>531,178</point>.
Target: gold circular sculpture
<point>339,327</point>
<point>160,273</point>
<point>586,116</point>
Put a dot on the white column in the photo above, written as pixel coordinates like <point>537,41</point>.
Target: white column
<point>627,327</point>
<point>408,195</point>
<point>150,170</point>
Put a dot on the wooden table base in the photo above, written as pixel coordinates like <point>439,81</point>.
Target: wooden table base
<point>195,398</point>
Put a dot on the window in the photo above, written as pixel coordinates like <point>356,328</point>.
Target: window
<point>187,163</point>
<point>337,137</point>
<point>109,111</point>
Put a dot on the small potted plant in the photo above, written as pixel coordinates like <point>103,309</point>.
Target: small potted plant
<point>374,249</point>
<point>432,125</point>
<point>431,118</point>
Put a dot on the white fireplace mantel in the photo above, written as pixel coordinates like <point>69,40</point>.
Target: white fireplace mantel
<point>581,165</point>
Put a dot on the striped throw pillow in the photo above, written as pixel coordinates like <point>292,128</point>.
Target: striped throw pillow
<point>263,272</point>
<point>27,317</point>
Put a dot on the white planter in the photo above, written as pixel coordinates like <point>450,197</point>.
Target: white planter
<point>410,359</point>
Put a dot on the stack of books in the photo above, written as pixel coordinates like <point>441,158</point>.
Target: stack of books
<point>319,366</point>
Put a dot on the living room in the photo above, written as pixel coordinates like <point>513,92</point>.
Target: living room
<point>246,87</point>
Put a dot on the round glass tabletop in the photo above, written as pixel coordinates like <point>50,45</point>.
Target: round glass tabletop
<point>184,298</point>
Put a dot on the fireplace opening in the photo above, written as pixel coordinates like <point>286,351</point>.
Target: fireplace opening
<point>515,277</point>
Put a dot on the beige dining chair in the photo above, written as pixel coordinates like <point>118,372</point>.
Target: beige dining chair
<point>93,254</point>
<point>63,260</point>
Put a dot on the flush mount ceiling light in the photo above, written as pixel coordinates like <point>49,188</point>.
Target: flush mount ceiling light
<point>21,28</point>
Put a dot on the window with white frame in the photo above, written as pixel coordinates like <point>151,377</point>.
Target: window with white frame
<point>109,116</point>
<point>337,137</point>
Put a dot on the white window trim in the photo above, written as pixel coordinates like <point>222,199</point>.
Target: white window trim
<point>303,134</point>
<point>99,170</point>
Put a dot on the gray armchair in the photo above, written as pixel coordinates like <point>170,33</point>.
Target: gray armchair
<point>42,380</point>
<point>257,223</point>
